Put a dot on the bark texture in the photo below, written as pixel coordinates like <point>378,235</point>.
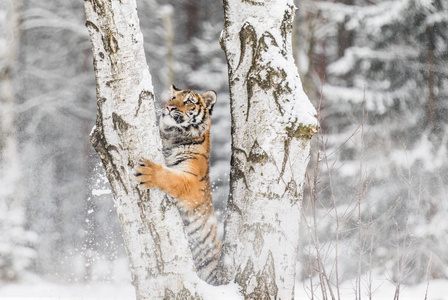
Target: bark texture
<point>272,123</point>
<point>125,130</point>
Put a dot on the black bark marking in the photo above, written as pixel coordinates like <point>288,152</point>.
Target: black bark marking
<point>233,207</point>
<point>101,146</point>
<point>257,154</point>
<point>248,38</point>
<point>255,2</point>
<point>158,250</point>
<point>286,27</point>
<point>144,95</point>
<point>119,123</point>
<point>293,189</point>
<point>243,277</point>
<point>269,282</point>
<point>287,143</point>
<point>234,150</point>
<point>274,79</point>
<point>90,24</point>
<point>250,83</point>
<point>169,295</point>
<point>238,174</point>
<point>98,7</point>
<point>266,287</point>
<point>183,294</point>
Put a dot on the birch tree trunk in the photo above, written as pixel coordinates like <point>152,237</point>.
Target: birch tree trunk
<point>125,130</point>
<point>272,123</point>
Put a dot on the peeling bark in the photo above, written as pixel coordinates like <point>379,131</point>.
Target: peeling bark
<point>125,130</point>
<point>272,123</point>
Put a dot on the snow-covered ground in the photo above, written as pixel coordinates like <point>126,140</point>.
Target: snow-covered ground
<point>43,290</point>
<point>52,291</point>
<point>382,289</point>
<point>34,288</point>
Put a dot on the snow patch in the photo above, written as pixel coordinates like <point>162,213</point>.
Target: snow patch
<point>382,288</point>
<point>99,192</point>
<point>222,292</point>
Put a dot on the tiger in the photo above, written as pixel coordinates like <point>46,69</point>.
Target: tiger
<point>185,130</point>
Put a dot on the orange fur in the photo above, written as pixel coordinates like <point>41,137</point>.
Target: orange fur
<point>183,185</point>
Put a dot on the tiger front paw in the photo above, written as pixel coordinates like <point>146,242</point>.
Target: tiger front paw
<point>146,173</point>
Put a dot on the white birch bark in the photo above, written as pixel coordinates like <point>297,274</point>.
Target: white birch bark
<point>126,129</point>
<point>272,123</point>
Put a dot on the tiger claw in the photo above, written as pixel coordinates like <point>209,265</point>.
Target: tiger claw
<point>141,161</point>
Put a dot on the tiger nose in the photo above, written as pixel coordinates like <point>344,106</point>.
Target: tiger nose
<point>171,107</point>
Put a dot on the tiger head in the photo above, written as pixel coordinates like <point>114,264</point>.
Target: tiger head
<point>187,113</point>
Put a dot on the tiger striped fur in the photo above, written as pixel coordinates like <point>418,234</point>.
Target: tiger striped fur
<point>185,129</point>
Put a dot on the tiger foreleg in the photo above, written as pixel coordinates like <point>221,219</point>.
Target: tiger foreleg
<point>175,183</point>
<point>147,173</point>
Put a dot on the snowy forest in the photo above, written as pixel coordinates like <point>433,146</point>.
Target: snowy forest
<point>372,210</point>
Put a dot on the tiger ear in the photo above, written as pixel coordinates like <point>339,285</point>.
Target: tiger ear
<point>210,98</point>
<point>174,90</point>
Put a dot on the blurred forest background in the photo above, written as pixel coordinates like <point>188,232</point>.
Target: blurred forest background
<point>376,192</point>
